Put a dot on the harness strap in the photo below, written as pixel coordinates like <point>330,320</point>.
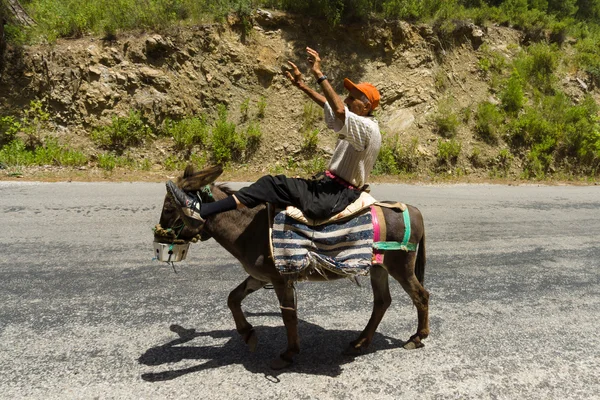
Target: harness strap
<point>405,245</point>
<point>379,233</point>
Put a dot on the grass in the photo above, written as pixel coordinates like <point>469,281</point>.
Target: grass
<point>16,153</point>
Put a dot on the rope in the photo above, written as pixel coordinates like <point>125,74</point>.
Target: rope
<point>169,235</point>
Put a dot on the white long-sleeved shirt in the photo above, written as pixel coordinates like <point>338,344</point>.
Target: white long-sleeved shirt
<point>359,141</point>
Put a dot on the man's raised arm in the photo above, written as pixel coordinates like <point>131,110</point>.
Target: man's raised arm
<point>296,78</point>
<point>335,102</point>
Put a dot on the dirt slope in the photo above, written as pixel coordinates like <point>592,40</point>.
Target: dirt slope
<point>188,71</point>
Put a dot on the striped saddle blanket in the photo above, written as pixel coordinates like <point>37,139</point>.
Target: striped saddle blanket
<point>344,247</point>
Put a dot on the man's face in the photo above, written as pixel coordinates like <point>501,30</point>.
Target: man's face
<point>356,104</point>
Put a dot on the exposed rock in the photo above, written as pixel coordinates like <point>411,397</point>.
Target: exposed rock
<point>399,121</point>
<point>155,78</point>
<point>157,46</point>
<point>583,85</point>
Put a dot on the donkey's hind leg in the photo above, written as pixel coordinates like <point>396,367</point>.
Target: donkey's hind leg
<point>381,302</point>
<point>401,265</point>
<point>287,301</point>
<point>234,301</point>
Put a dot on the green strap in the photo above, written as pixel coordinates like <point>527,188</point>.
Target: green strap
<point>405,245</point>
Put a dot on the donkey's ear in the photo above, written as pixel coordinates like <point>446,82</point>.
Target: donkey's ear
<point>189,171</point>
<point>201,178</point>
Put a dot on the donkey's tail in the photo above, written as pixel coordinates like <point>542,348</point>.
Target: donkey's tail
<point>421,260</point>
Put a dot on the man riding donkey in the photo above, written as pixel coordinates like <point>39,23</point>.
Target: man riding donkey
<point>353,159</point>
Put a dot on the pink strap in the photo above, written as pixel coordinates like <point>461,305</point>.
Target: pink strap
<point>339,180</point>
<point>377,255</point>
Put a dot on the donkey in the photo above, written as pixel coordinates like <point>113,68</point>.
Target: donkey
<point>245,234</point>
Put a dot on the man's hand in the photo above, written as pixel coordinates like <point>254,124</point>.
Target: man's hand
<point>315,62</point>
<point>295,76</point>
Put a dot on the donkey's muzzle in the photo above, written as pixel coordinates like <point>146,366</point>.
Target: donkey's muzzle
<point>170,252</point>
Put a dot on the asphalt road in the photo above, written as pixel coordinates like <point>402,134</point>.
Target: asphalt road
<point>85,313</point>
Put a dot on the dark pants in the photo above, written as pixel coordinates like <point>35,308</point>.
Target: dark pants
<point>317,198</point>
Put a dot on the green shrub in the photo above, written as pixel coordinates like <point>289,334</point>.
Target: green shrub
<point>538,65</point>
<point>107,161</point>
<point>310,141</point>
<point>588,57</point>
<point>440,80</point>
<point>253,138</point>
<point>226,142</point>
<point>244,108</point>
<point>529,128</point>
<point>34,123</point>
<point>110,161</point>
<point>448,151</point>
<point>488,122</point>
<point>559,31</point>
<point>311,114</point>
<point>558,132</point>
<point>198,159</point>
<point>503,161</point>
<point>445,120</point>
<point>540,159</point>
<point>174,163</point>
<point>476,158</point>
<point>514,9</point>
<point>144,165</point>
<point>187,132</point>
<point>262,106</point>
<point>491,61</point>
<point>386,163</point>
<point>122,132</point>
<point>466,112</point>
<point>314,165</point>
<point>394,158</point>
<point>581,133</point>
<point>403,9</point>
<point>512,97</point>
<point>9,126</point>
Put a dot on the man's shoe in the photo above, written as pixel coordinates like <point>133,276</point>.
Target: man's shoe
<point>188,204</point>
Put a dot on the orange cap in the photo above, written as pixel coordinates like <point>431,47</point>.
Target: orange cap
<point>365,88</point>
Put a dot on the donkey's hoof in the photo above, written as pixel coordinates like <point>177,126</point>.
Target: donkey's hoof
<point>352,351</point>
<point>281,363</point>
<point>413,344</point>
<point>251,340</point>
<point>356,347</point>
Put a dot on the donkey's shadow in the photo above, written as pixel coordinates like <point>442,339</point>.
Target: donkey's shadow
<point>321,351</point>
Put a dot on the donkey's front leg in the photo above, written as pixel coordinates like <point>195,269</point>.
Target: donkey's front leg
<point>287,302</point>
<point>234,301</point>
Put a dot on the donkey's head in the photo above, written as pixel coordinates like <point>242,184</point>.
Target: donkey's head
<point>171,234</point>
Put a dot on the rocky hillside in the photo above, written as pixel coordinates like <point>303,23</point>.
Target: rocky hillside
<point>84,83</point>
